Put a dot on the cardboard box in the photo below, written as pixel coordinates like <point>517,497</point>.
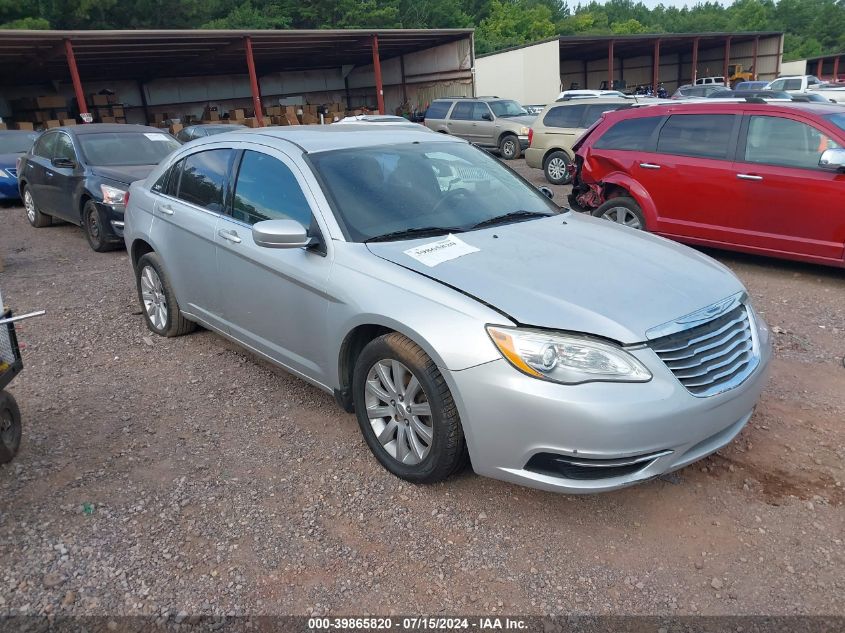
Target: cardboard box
<point>111,99</point>
<point>51,101</point>
<point>107,119</point>
<point>23,125</point>
<point>120,119</point>
<point>99,100</point>
<point>62,114</point>
<point>67,122</point>
<point>309,119</point>
<point>53,123</point>
<point>237,115</point>
<point>41,116</point>
<point>175,128</point>
<point>251,122</point>
<point>117,111</point>
<point>2,126</point>
<point>210,114</point>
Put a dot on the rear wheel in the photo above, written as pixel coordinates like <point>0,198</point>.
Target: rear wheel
<point>406,411</point>
<point>557,168</point>
<point>622,210</point>
<point>35,217</point>
<point>10,427</point>
<point>509,147</point>
<point>161,311</point>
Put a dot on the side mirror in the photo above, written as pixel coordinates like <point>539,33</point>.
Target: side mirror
<point>487,116</point>
<point>547,192</point>
<point>64,162</point>
<point>833,159</point>
<point>281,234</point>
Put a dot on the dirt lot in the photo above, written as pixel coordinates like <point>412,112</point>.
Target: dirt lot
<point>184,475</point>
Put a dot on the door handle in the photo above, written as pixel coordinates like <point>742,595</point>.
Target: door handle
<point>49,174</point>
<point>749,177</point>
<point>232,236</point>
<point>166,209</point>
<point>649,166</point>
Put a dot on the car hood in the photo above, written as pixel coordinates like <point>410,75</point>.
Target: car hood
<point>523,119</point>
<point>578,274</point>
<point>123,173</point>
<point>9,160</point>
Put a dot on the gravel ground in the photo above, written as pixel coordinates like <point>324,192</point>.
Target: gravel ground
<point>185,476</point>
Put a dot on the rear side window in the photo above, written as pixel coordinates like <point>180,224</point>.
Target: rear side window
<point>463,111</point>
<point>45,145</point>
<point>438,109</point>
<point>791,84</point>
<point>564,116</point>
<point>703,135</point>
<point>595,111</point>
<point>204,176</point>
<point>630,134</point>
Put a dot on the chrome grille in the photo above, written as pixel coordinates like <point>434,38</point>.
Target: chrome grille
<point>12,172</point>
<point>712,357</point>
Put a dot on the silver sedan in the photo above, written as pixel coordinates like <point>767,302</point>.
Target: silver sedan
<point>452,306</point>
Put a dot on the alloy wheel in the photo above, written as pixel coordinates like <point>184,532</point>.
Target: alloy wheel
<point>509,148</point>
<point>152,294</point>
<point>399,411</point>
<point>557,169</point>
<point>622,215</point>
<point>29,205</point>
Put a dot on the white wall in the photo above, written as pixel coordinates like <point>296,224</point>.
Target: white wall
<point>798,67</point>
<point>531,75</point>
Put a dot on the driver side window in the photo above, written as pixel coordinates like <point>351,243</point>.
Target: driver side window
<point>64,148</point>
<point>267,189</point>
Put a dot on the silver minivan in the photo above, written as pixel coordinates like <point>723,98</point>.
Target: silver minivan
<point>452,306</point>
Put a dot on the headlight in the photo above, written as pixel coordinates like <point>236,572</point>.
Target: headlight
<point>113,195</point>
<point>523,131</point>
<point>566,359</point>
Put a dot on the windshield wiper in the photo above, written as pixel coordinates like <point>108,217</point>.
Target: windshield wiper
<point>509,217</point>
<point>419,231</point>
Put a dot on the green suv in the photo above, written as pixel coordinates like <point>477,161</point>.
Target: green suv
<point>489,122</point>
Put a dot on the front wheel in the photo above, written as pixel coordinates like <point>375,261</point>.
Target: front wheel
<point>622,210</point>
<point>509,147</point>
<point>94,227</point>
<point>10,427</point>
<point>557,168</point>
<point>33,215</point>
<point>406,411</point>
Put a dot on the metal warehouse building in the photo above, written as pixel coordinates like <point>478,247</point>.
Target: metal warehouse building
<point>184,72</point>
<point>536,73</point>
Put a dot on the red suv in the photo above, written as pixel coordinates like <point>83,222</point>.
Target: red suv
<point>757,177</point>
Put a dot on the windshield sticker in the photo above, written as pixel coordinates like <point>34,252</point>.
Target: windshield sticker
<point>433,253</point>
<point>156,136</point>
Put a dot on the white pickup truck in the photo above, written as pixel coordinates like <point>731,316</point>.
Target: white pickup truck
<point>804,84</point>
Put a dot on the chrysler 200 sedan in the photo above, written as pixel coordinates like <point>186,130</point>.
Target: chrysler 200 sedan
<point>444,300</point>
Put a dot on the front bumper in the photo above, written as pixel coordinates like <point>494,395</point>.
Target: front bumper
<point>9,189</point>
<point>523,143</point>
<point>112,216</point>
<point>509,418</point>
<point>534,157</point>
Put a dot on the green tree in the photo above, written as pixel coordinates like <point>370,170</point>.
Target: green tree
<point>513,22</point>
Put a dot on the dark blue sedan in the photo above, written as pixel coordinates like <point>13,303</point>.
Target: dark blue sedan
<point>81,174</point>
<point>13,144</point>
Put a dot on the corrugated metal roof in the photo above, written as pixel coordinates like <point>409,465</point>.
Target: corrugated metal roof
<point>39,56</point>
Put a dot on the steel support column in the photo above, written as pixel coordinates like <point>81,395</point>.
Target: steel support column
<point>694,60</point>
<point>754,58</point>
<point>377,69</point>
<point>74,76</point>
<point>655,71</point>
<point>836,68</point>
<point>820,68</point>
<point>253,82</point>
<point>727,60</point>
<point>609,65</point>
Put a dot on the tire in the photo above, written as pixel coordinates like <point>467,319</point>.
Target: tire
<point>33,215</point>
<point>624,211</point>
<point>509,147</point>
<point>94,229</point>
<point>10,427</point>
<point>422,448</point>
<point>158,301</point>
<point>555,168</point>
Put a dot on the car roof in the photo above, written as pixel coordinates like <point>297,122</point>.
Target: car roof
<point>322,138</point>
<point>103,128</point>
<point>730,107</point>
<point>592,100</point>
<point>234,126</point>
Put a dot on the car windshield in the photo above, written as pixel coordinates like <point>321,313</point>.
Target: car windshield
<point>126,148</point>
<point>16,142</point>
<point>837,119</point>
<point>507,108</point>
<point>444,187</point>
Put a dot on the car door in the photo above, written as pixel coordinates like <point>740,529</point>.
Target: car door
<point>690,176</point>
<point>185,225</point>
<point>38,170</point>
<point>461,122</point>
<point>788,204</point>
<point>274,299</point>
<point>562,125</point>
<point>63,187</point>
<point>484,124</point>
